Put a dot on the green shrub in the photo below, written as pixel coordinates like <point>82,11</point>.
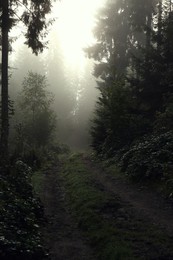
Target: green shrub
<point>150,158</point>
<point>20,215</point>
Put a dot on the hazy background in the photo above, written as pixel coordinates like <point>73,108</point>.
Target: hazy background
<point>68,70</point>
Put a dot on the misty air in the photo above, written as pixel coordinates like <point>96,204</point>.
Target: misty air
<point>86,132</point>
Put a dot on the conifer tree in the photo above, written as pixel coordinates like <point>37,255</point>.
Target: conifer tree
<point>133,47</point>
<point>34,18</point>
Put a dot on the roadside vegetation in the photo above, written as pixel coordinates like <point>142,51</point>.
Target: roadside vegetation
<point>21,211</point>
<point>21,215</point>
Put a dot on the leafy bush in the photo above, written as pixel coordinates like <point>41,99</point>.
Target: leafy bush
<point>150,158</point>
<point>20,215</point>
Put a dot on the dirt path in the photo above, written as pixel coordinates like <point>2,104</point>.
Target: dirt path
<point>139,204</point>
<point>145,203</point>
<point>60,233</point>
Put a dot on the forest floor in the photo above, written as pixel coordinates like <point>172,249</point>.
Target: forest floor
<point>131,220</point>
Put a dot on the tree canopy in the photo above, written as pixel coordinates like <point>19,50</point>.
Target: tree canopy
<point>37,120</point>
<point>33,16</point>
<point>133,66</point>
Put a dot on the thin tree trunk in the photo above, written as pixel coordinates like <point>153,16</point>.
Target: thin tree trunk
<point>148,38</point>
<point>170,6</point>
<point>159,34</point>
<point>4,89</point>
<point>148,33</point>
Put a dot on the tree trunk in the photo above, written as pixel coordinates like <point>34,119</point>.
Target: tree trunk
<point>148,37</point>
<point>170,6</point>
<point>4,89</point>
<point>159,33</point>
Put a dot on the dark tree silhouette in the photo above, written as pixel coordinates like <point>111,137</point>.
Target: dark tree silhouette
<point>134,68</point>
<point>34,18</point>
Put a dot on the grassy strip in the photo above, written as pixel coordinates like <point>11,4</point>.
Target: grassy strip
<point>88,202</point>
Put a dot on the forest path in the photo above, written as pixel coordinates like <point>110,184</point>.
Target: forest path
<point>145,203</point>
<point>144,217</point>
<point>60,233</point>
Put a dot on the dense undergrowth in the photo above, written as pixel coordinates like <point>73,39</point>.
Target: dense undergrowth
<point>21,211</point>
<point>21,214</point>
<point>148,160</point>
<point>151,158</point>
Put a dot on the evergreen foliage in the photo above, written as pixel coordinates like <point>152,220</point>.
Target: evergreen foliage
<point>33,15</point>
<point>134,57</point>
<point>36,123</point>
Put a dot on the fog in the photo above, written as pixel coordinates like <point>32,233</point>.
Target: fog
<point>67,69</point>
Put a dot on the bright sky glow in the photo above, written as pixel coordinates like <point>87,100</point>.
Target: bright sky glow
<point>75,20</point>
<point>74,27</point>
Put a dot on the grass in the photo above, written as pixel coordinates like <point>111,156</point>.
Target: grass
<point>86,202</point>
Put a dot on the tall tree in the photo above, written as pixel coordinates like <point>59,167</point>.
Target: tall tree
<point>154,67</point>
<point>4,77</point>
<point>129,36</point>
<point>61,80</point>
<point>111,32</point>
<point>34,18</point>
<point>37,118</point>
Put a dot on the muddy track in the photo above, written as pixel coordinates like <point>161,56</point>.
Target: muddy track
<point>145,203</point>
<point>61,235</point>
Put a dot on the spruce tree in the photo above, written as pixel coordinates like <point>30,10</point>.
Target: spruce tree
<point>34,18</point>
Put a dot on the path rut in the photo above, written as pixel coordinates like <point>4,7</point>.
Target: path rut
<point>61,235</point>
<point>146,203</point>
